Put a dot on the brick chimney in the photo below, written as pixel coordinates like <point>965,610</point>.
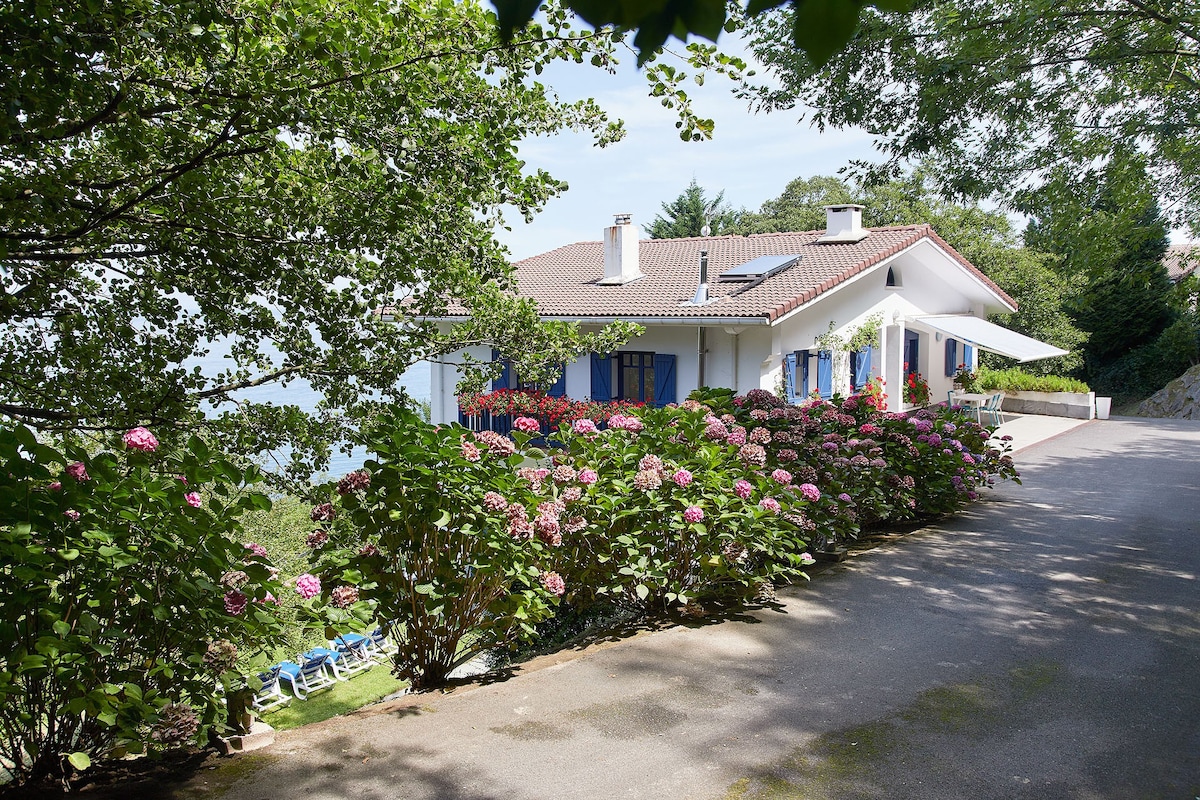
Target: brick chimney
<point>843,224</point>
<point>621,252</point>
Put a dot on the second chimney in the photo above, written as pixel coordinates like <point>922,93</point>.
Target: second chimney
<point>621,252</point>
<point>843,224</point>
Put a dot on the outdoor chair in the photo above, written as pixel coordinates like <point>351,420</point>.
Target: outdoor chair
<point>381,645</point>
<point>992,406</point>
<point>310,674</point>
<point>339,663</point>
<point>271,694</point>
<point>356,654</point>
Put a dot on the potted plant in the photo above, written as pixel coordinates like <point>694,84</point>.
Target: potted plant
<point>965,380</point>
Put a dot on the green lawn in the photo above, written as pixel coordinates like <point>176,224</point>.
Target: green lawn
<point>366,687</point>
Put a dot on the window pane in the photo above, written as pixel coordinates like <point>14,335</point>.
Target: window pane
<point>632,383</point>
<point>649,380</point>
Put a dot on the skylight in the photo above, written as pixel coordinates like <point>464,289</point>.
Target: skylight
<point>758,268</point>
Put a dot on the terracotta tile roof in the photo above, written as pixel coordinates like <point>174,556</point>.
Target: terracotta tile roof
<point>1181,260</point>
<point>563,282</point>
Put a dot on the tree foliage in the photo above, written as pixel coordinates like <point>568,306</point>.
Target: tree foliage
<point>690,213</point>
<point>1017,99</point>
<point>819,29</point>
<point>264,176</point>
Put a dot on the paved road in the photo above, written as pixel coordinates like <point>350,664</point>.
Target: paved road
<point>1045,645</point>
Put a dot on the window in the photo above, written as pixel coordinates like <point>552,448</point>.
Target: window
<point>511,379</point>
<point>861,366</point>
<point>893,279</point>
<point>635,380</point>
<point>951,357</point>
<point>639,377</point>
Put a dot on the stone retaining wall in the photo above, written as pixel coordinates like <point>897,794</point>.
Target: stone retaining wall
<point>1076,405</point>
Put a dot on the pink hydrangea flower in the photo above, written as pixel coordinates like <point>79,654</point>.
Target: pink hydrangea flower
<point>344,596</point>
<point>527,425</point>
<point>650,462</point>
<point>308,585</point>
<point>770,504</point>
<point>359,480</point>
<point>588,476</point>
<point>737,438</point>
<point>809,492</point>
<point>682,477</point>
<point>564,473</point>
<point>77,471</point>
<point>571,494</point>
<point>56,486</point>
<point>322,513</point>
<point>368,549</point>
<point>71,514</point>
<point>553,583</point>
<point>693,514</point>
<point>585,427</point>
<point>782,477</point>
<point>140,439</point>
<point>496,443</point>
<point>317,538</point>
<point>193,499</point>
<point>470,452</point>
<point>257,549</point>
<point>743,489</point>
<point>494,501</point>
<point>235,602</point>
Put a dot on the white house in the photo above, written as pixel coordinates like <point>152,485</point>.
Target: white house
<point>752,312</point>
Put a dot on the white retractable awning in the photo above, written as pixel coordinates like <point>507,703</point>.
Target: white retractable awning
<point>986,336</point>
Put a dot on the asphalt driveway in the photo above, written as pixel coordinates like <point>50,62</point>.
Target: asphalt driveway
<point>1044,645</point>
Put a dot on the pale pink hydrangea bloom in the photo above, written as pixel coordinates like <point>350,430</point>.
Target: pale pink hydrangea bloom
<point>585,427</point>
<point>496,443</point>
<point>56,486</point>
<point>770,504</point>
<point>760,436</point>
<point>257,549</point>
<point>693,514</point>
<point>494,501</point>
<point>470,452</point>
<point>782,477</point>
<point>564,473</point>
<point>682,477</point>
<point>650,462</point>
<point>588,476</point>
<point>140,439</point>
<point>716,431</point>
<point>308,585</point>
<point>743,488</point>
<point>571,494</point>
<point>193,499</point>
<point>553,583</point>
<point>527,425</point>
<point>753,454</point>
<point>647,480</point>
<point>71,514</point>
<point>235,602</point>
<point>810,493</point>
<point>77,471</point>
<point>368,549</point>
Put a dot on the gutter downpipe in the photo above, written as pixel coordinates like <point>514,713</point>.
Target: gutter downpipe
<point>700,353</point>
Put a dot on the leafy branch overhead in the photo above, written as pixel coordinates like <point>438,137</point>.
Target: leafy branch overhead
<point>820,28</point>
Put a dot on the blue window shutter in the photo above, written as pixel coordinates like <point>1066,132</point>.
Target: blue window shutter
<point>789,376</point>
<point>664,379</point>
<point>505,379</point>
<point>802,357</point>
<point>601,378</point>
<point>559,389</point>
<point>825,374</point>
<point>951,357</point>
<point>968,355</point>
<point>860,367</point>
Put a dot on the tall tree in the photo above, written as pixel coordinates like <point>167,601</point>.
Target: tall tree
<point>691,213</point>
<point>1001,97</point>
<point>800,207</point>
<point>266,173</point>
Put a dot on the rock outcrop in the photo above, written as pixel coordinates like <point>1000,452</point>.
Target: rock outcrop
<point>1179,399</point>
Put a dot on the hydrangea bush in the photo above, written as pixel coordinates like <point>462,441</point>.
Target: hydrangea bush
<point>668,514</point>
<point>128,601</point>
<point>441,541</point>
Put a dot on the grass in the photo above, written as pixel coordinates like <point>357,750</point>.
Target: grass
<point>369,686</point>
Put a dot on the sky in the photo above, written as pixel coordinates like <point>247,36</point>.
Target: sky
<point>751,157</point>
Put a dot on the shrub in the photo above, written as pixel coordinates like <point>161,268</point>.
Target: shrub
<point>1014,380</point>
<point>128,601</point>
<point>436,542</point>
<point>678,508</point>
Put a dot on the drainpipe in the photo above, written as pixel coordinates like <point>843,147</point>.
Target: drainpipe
<point>700,352</point>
